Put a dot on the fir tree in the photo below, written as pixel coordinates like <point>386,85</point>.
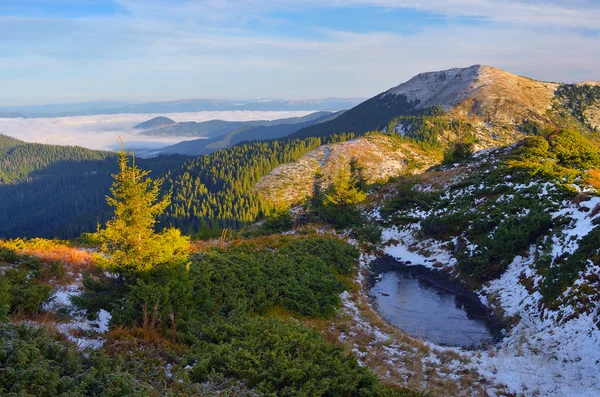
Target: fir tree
<point>129,239</point>
<point>345,189</point>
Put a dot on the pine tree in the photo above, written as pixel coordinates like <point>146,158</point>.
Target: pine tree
<point>129,240</point>
<point>345,189</point>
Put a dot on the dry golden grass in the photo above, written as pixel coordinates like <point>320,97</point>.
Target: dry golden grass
<point>130,339</point>
<point>52,250</point>
<point>593,178</point>
<point>72,260</point>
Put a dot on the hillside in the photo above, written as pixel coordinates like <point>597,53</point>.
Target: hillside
<point>156,122</point>
<point>57,191</point>
<point>484,106</point>
<point>520,226</point>
<point>380,156</point>
<point>478,203</point>
<point>481,91</point>
<point>19,160</point>
<point>427,134</point>
<point>219,128</point>
<point>247,132</point>
<point>500,107</point>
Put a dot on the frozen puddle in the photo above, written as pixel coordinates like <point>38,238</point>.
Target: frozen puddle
<point>425,304</point>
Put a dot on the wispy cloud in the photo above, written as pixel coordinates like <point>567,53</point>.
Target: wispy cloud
<point>565,13</point>
<point>159,49</point>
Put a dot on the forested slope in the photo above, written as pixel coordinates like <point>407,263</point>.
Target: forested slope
<point>62,195</point>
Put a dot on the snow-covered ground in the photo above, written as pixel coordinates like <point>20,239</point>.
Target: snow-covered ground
<point>543,354</point>
<point>78,323</point>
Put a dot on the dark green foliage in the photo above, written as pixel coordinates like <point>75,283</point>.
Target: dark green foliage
<point>64,196</point>
<point>406,198</point>
<point>577,98</point>
<point>567,269</point>
<point>215,303</point>
<point>283,358</point>
<point>33,363</point>
<point>338,204</point>
<point>511,237</point>
<point>442,227</point>
<point>298,274</point>
<point>425,128</point>
<point>339,217</point>
<point>4,299</point>
<point>276,223</point>
<point>249,279</point>
<point>369,233</point>
<point>459,151</point>
<point>529,127</point>
<point>162,298</point>
<point>22,289</point>
<point>217,189</point>
<point>19,160</point>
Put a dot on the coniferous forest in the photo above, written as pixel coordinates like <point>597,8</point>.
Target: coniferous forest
<point>58,191</point>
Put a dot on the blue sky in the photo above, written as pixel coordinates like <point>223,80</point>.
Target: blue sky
<point>147,50</point>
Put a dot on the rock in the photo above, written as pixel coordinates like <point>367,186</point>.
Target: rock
<point>438,265</point>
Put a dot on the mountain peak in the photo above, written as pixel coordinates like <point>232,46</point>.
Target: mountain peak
<point>478,89</point>
<point>447,88</point>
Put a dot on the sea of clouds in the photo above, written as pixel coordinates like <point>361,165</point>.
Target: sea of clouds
<point>103,131</point>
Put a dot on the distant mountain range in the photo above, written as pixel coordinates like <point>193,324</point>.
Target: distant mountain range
<point>179,106</point>
<point>10,115</point>
<point>238,132</point>
<point>219,134</point>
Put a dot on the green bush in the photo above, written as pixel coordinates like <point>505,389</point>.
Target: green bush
<point>567,268</point>
<point>512,236</point>
<point>298,274</point>
<point>369,233</point>
<point>277,223</point>
<point>459,151</point>
<point>575,151</point>
<point>35,364</point>
<point>4,299</point>
<point>248,280</point>
<point>273,356</point>
<point>23,288</point>
<point>215,304</point>
<point>408,198</point>
<point>340,217</point>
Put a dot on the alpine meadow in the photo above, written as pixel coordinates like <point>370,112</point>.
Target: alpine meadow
<point>250,198</point>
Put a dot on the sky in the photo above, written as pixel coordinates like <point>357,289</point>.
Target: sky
<point>59,51</point>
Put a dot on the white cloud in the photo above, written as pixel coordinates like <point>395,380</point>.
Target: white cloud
<point>162,50</point>
<point>103,131</point>
<point>564,13</point>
